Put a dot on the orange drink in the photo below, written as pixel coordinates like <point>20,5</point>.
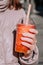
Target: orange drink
<point>21,28</point>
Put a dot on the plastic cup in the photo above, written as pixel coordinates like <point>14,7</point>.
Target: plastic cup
<point>21,28</point>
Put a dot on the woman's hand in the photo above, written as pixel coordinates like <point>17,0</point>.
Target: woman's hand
<point>29,39</point>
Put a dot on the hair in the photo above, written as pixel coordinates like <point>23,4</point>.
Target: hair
<point>13,4</point>
<point>10,4</point>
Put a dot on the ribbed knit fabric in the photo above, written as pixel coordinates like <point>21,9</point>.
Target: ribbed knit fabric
<point>3,5</point>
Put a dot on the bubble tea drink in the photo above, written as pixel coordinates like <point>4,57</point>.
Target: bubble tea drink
<point>23,28</point>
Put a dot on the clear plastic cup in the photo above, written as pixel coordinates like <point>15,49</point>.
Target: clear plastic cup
<point>21,28</point>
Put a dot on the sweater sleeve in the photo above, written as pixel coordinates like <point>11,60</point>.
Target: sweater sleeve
<point>23,16</point>
<point>33,60</point>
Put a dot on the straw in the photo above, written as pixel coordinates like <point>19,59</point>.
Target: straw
<point>27,20</point>
<point>28,14</point>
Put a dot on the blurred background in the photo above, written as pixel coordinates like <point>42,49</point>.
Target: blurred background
<point>37,5</point>
<point>37,17</point>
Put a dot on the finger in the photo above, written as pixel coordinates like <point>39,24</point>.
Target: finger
<point>26,44</point>
<point>31,47</point>
<point>29,35</point>
<point>33,31</point>
<point>27,40</point>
